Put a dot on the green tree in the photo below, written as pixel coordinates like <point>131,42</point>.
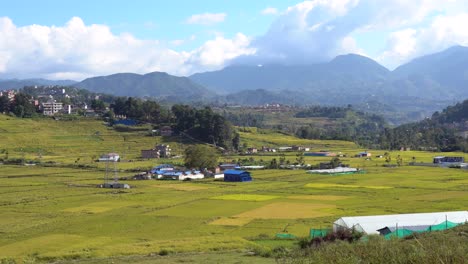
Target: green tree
<point>300,158</point>
<point>201,156</point>
<point>22,106</point>
<point>236,141</point>
<point>387,157</point>
<point>399,160</point>
<point>4,104</point>
<point>151,111</point>
<point>98,105</point>
<point>335,162</point>
<point>273,164</point>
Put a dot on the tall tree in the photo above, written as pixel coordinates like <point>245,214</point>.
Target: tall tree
<point>4,104</point>
<point>22,106</point>
<point>201,157</point>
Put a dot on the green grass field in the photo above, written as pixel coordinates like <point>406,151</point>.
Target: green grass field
<point>56,212</point>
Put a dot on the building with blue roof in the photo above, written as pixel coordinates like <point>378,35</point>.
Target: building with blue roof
<point>237,176</point>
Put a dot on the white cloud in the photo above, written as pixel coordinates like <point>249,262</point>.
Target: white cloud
<point>349,45</point>
<point>402,44</point>
<point>177,42</point>
<point>308,32</point>
<point>318,30</point>
<point>215,52</point>
<point>206,18</point>
<point>443,32</point>
<point>77,51</point>
<point>270,11</point>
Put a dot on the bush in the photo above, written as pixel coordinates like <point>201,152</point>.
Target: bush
<point>262,252</point>
<point>7,261</point>
<point>344,235</point>
<point>163,252</point>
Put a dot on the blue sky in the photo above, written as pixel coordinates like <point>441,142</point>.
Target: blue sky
<point>146,19</point>
<point>77,39</point>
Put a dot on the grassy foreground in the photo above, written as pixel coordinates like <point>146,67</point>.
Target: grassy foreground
<point>55,212</point>
<point>450,246</point>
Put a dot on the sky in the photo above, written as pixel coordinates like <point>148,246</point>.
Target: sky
<point>78,39</point>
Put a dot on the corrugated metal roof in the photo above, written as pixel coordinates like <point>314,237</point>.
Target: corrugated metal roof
<point>235,172</point>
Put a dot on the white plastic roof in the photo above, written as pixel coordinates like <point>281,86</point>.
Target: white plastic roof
<point>370,224</point>
<point>335,170</point>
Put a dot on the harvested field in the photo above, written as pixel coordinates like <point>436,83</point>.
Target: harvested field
<point>181,187</point>
<point>440,196</point>
<point>331,185</point>
<point>231,221</point>
<point>245,197</point>
<point>98,207</point>
<point>319,197</point>
<point>288,211</point>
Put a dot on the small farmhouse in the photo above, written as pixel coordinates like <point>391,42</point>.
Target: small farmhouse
<point>252,150</point>
<point>268,149</point>
<point>114,185</point>
<point>166,131</point>
<point>109,157</point>
<point>228,166</point>
<point>159,151</point>
<point>363,154</point>
<point>237,176</point>
<point>160,169</point>
<point>448,160</point>
<point>181,175</point>
<point>320,154</point>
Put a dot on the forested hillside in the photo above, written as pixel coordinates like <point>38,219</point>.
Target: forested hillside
<point>156,85</point>
<point>443,131</point>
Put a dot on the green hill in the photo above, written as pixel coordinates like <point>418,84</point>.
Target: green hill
<point>156,84</point>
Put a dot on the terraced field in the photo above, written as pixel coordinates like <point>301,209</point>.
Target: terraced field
<point>56,212</point>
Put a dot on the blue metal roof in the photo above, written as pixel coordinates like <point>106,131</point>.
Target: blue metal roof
<point>163,166</point>
<point>235,172</point>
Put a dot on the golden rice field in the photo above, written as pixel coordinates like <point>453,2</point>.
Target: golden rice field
<point>245,197</point>
<point>56,213</point>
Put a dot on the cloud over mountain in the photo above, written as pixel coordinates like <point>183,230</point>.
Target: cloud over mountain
<point>76,51</point>
<point>318,30</point>
<point>389,31</point>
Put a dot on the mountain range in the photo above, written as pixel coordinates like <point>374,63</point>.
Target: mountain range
<point>415,89</point>
<point>352,78</point>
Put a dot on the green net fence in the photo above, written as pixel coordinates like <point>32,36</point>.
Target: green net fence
<point>285,236</point>
<point>318,232</point>
<point>400,233</point>
<point>442,226</point>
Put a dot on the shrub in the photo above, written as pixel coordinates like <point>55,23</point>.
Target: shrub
<point>163,252</point>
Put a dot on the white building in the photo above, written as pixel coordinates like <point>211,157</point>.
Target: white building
<point>51,108</point>
<point>113,157</point>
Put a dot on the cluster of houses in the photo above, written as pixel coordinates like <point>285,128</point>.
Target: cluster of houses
<point>279,149</point>
<point>223,172</point>
<point>10,94</point>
